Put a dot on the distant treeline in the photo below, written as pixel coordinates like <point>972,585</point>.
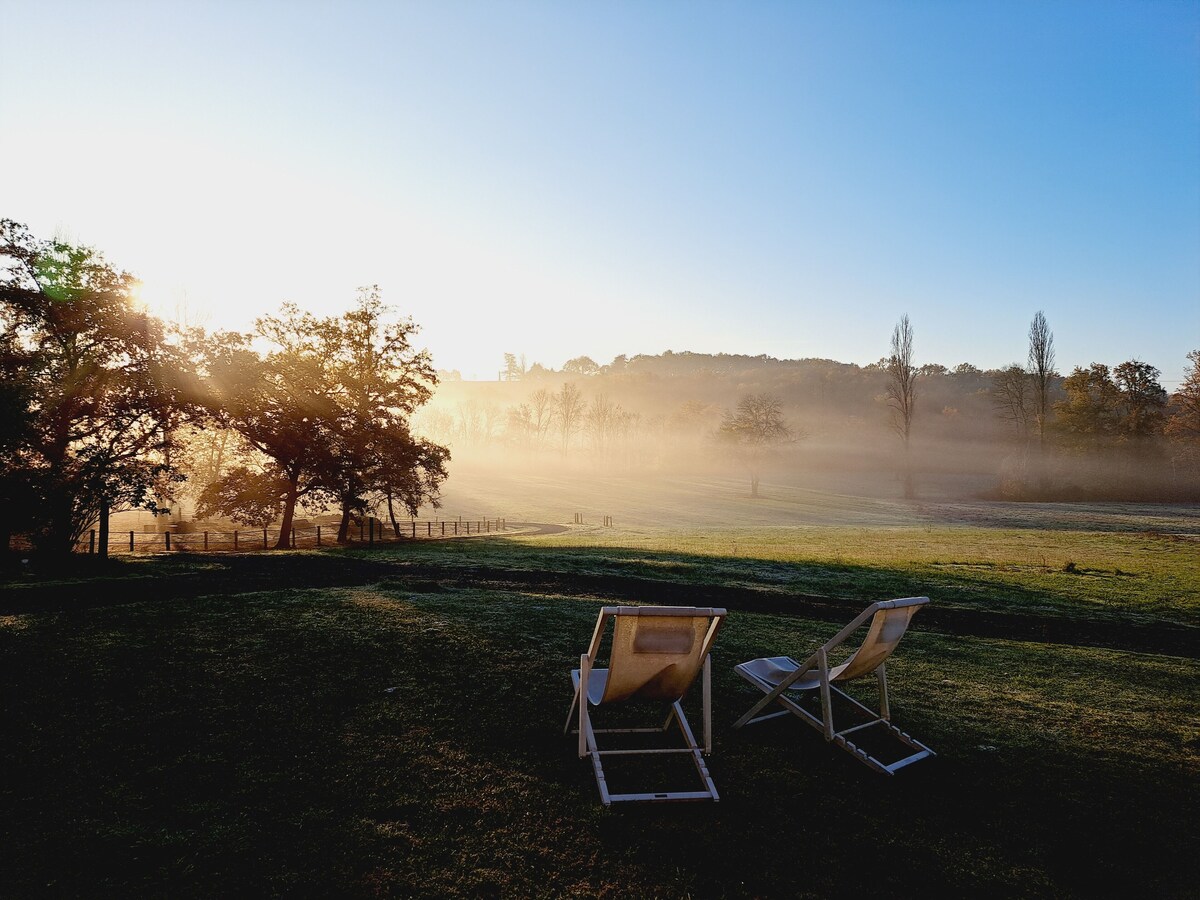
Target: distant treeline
<point>1098,432</point>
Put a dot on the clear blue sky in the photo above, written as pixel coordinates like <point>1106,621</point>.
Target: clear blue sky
<point>558,179</point>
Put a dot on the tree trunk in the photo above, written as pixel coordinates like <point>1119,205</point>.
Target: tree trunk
<point>60,537</point>
<point>343,535</point>
<point>910,490</point>
<point>104,510</point>
<point>754,486</point>
<point>392,513</point>
<point>289,511</point>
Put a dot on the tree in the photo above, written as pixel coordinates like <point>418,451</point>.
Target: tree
<point>379,380</point>
<point>604,421</point>
<point>281,403</point>
<point>1012,390</point>
<point>1183,428</point>
<point>329,406</point>
<point>93,385</point>
<point>1143,401</point>
<point>245,495</point>
<point>568,412</point>
<point>581,365</point>
<point>901,391</point>
<point>1088,414</point>
<point>756,427</point>
<point>541,412</point>
<point>1041,369</point>
<point>513,369</point>
<point>408,470</point>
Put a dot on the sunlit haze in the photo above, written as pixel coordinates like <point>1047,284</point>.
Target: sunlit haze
<point>563,179</point>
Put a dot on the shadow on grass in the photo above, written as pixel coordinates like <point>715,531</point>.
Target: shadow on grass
<point>965,602</point>
<point>363,741</point>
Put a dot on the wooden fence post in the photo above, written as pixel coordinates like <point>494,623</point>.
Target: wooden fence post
<point>428,529</point>
<point>167,540</point>
<point>206,542</point>
<point>318,535</point>
<point>443,529</point>
<point>264,539</point>
<point>130,541</point>
<point>235,539</point>
<point>91,542</point>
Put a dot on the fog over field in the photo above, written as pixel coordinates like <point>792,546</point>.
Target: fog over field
<point>650,442</point>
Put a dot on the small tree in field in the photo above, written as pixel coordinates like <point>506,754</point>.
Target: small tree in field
<point>901,393</point>
<point>1041,371</point>
<point>756,427</point>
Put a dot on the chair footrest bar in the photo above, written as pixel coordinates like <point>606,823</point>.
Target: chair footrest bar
<point>774,715</point>
<point>646,752</point>
<point>668,796</point>
<point>870,724</point>
<point>900,764</point>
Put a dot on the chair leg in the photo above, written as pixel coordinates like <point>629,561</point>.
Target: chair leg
<point>696,754</point>
<point>826,699</point>
<point>585,671</point>
<point>706,698</point>
<point>881,676</point>
<point>571,711</point>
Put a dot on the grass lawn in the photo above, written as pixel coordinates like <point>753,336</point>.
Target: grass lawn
<point>389,722</point>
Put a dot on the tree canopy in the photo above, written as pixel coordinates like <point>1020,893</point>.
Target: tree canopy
<point>93,386</point>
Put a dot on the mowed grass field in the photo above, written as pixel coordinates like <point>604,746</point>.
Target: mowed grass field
<point>388,721</point>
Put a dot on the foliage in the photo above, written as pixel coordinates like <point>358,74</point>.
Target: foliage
<point>94,388</point>
<point>328,405</point>
<point>902,374</point>
<point>1183,428</point>
<point>514,369</point>
<point>901,392</point>
<point>247,496</point>
<point>1041,371</point>
<point>1089,411</point>
<point>1012,391</point>
<point>581,365</point>
<point>757,426</point>
<point>280,403</point>
<point>1100,406</point>
<point>1142,402</point>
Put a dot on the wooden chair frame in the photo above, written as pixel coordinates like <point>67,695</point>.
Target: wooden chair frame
<point>826,687</point>
<point>581,716</point>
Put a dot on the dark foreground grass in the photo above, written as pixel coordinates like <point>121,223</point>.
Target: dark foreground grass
<point>386,740</point>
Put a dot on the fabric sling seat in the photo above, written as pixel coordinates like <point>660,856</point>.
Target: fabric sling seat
<point>656,654</point>
<point>779,676</point>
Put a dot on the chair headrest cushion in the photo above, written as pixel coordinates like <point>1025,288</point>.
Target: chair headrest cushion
<point>664,636</point>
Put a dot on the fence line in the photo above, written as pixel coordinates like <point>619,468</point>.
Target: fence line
<point>244,539</point>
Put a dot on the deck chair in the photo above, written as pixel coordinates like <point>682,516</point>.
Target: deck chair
<point>780,676</point>
<point>657,652</point>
